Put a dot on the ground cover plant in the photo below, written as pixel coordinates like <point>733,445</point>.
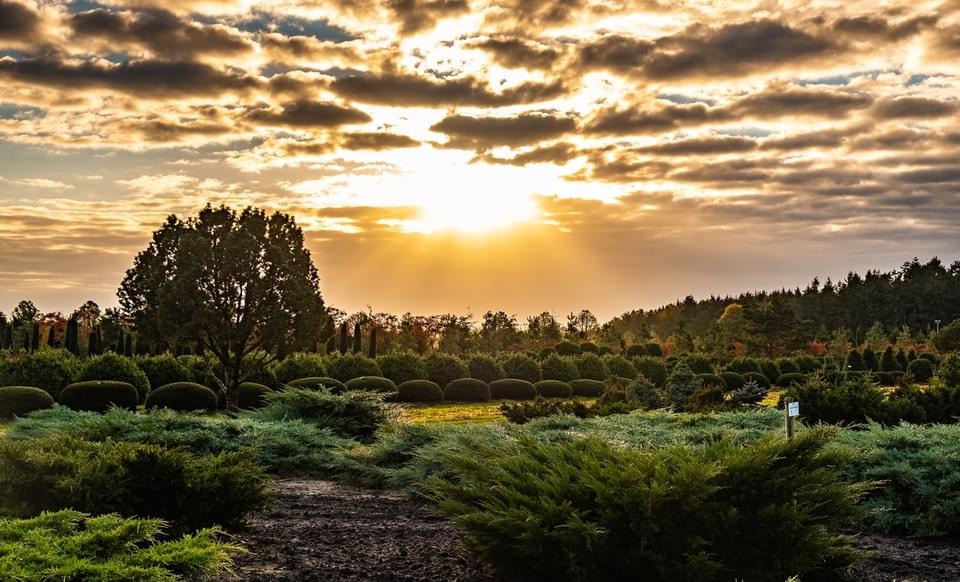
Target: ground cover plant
<point>69,545</point>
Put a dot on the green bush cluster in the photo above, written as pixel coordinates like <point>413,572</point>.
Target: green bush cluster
<point>353,414</point>
<point>299,365</point>
<point>588,510</point>
<point>553,389</point>
<point>556,367</point>
<point>732,380</point>
<point>584,387</point>
<point>512,389</point>
<point>590,366</point>
<point>787,380</point>
<point>162,370</point>
<point>620,366</point>
<point>346,367</point>
<point>372,384</point>
<point>444,368</point>
<point>921,369</point>
<point>402,366</point>
<point>113,367</point>
<point>467,390</point>
<point>99,395</point>
<point>419,391</point>
<point>485,368</point>
<point>316,383</point>
<point>652,369</point>
<point>22,400</point>
<point>524,412</point>
<point>183,397</point>
<point>50,370</point>
<point>61,472</point>
<point>522,367</point>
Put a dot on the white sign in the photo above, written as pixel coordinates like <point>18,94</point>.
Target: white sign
<point>793,409</point>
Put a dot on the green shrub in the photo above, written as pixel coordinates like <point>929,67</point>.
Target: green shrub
<point>346,367</point>
<point>444,368</point>
<point>760,379</point>
<point>787,380</point>
<point>590,366</point>
<point>870,360</point>
<point>59,472</point>
<point>553,389</point>
<point>512,389</point>
<point>788,366</point>
<point>467,390</point>
<point>22,400</point>
<point>749,393</point>
<point>331,384</point>
<point>162,370</point>
<point>69,545</point>
<point>852,401</point>
<point>402,366</point>
<point>50,370</point>
<point>888,361</point>
<point>574,510</point>
<point>545,352</point>
<point>681,384</point>
<point>372,384</point>
<point>252,395</point>
<point>110,366</point>
<point>299,365</point>
<point>524,412</point>
<point>485,368</point>
<point>733,380</point>
<point>807,364</point>
<point>620,366</point>
<point>589,347</point>
<point>184,397</point>
<point>522,367</point>
<point>706,398</point>
<point>698,363</point>
<point>353,414</point>
<point>201,370</point>
<point>654,349</point>
<point>770,369</point>
<point>420,391</point>
<point>98,396</point>
<point>922,370</point>
<point>885,378</point>
<point>854,361</point>
<point>636,351</point>
<point>287,446</point>
<point>712,380</point>
<point>560,368</point>
<point>949,370</point>
<point>652,369</point>
<point>621,395</point>
<point>930,357</point>
<point>584,387</point>
<point>742,365</point>
<point>567,348</point>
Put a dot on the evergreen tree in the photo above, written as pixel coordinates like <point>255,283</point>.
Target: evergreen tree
<point>35,337</point>
<point>870,360</point>
<point>373,342</point>
<point>888,361</point>
<point>128,345</point>
<point>902,360</point>
<point>854,362</point>
<point>52,336</point>
<point>344,340</point>
<point>357,338</point>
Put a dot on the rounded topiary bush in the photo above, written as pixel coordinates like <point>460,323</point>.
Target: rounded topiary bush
<point>50,370</point>
<point>591,367</point>
<point>512,389</point>
<point>467,390</point>
<point>788,366</point>
<point>163,369</point>
<point>299,365</point>
<point>652,369</point>
<point>183,397</point>
<point>444,368</point>
<point>654,349</point>
<point>712,380</point>
<point>402,366</point>
<point>770,369</point>
<point>553,389</point>
<point>921,369</point>
<point>620,366</point>
<point>698,364</point>
<point>372,384</point>
<point>949,370</point>
<point>350,366</point>
<point>885,378</point>
<point>567,348</point>
<point>99,395</point>
<point>584,387</point>
<point>733,380</point>
<point>807,364</point>
<point>252,395</point>
<point>522,367</point>
<point>22,400</point>
<point>636,351</point>
<point>743,365</point>
<point>485,368</point>
<point>791,379</point>
<point>201,370</point>
<point>759,378</point>
<point>589,347</point>
<point>110,366</point>
<point>319,382</point>
<point>419,391</point>
<point>555,367</point>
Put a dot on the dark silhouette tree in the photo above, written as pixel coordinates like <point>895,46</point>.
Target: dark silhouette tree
<point>357,338</point>
<point>373,342</point>
<point>243,283</point>
<point>25,312</point>
<point>344,338</point>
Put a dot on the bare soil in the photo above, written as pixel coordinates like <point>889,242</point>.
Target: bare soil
<point>323,531</point>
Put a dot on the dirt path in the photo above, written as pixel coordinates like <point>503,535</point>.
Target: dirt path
<point>322,531</point>
<point>325,531</point>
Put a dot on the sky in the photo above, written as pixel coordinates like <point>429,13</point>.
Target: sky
<point>467,155</point>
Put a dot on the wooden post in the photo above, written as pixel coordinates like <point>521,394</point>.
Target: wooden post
<point>788,415</point>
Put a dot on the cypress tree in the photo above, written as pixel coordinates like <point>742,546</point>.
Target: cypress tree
<point>6,340</point>
<point>141,346</point>
<point>870,360</point>
<point>35,338</point>
<point>95,347</point>
<point>343,338</point>
<point>52,336</point>
<point>73,336</point>
<point>357,338</point>
<point>373,342</point>
<point>855,362</point>
<point>902,360</point>
<point>911,355</point>
<point>331,345</point>
<point>888,361</point>
<point>200,349</point>
<point>128,345</point>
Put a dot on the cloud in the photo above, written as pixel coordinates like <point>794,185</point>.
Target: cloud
<point>17,21</point>
<point>418,15</point>
<point>485,132</point>
<point>558,153</point>
<point>519,53</point>
<point>655,119</point>
<point>377,141</point>
<point>914,107</point>
<point>405,90</point>
<point>702,145</point>
<point>779,102</point>
<point>305,113</point>
<point>42,183</point>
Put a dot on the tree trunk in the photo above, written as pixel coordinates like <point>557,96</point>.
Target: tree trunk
<point>231,387</point>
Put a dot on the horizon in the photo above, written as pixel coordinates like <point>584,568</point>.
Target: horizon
<point>447,157</point>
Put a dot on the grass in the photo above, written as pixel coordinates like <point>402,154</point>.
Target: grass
<point>458,412</point>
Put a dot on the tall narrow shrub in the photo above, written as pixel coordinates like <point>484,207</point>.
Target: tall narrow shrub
<point>357,338</point>
<point>373,342</point>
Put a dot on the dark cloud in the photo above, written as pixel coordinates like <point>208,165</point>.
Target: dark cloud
<point>875,26</point>
<point>306,113</point>
<point>377,141</point>
<point>17,21</point>
<point>165,131</point>
<point>163,33</point>
<point>146,78</point>
<point>653,120</point>
<point>913,107</point>
<point>305,47</point>
<point>950,174</point>
<point>559,154</point>
<point>411,90</point>
<point>616,53</point>
<point>518,53</point>
<point>535,13</point>
<point>485,132</point>
<point>734,49</point>
<point>418,15</point>
<point>702,146</point>
<point>777,102</point>
<point>807,140</point>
